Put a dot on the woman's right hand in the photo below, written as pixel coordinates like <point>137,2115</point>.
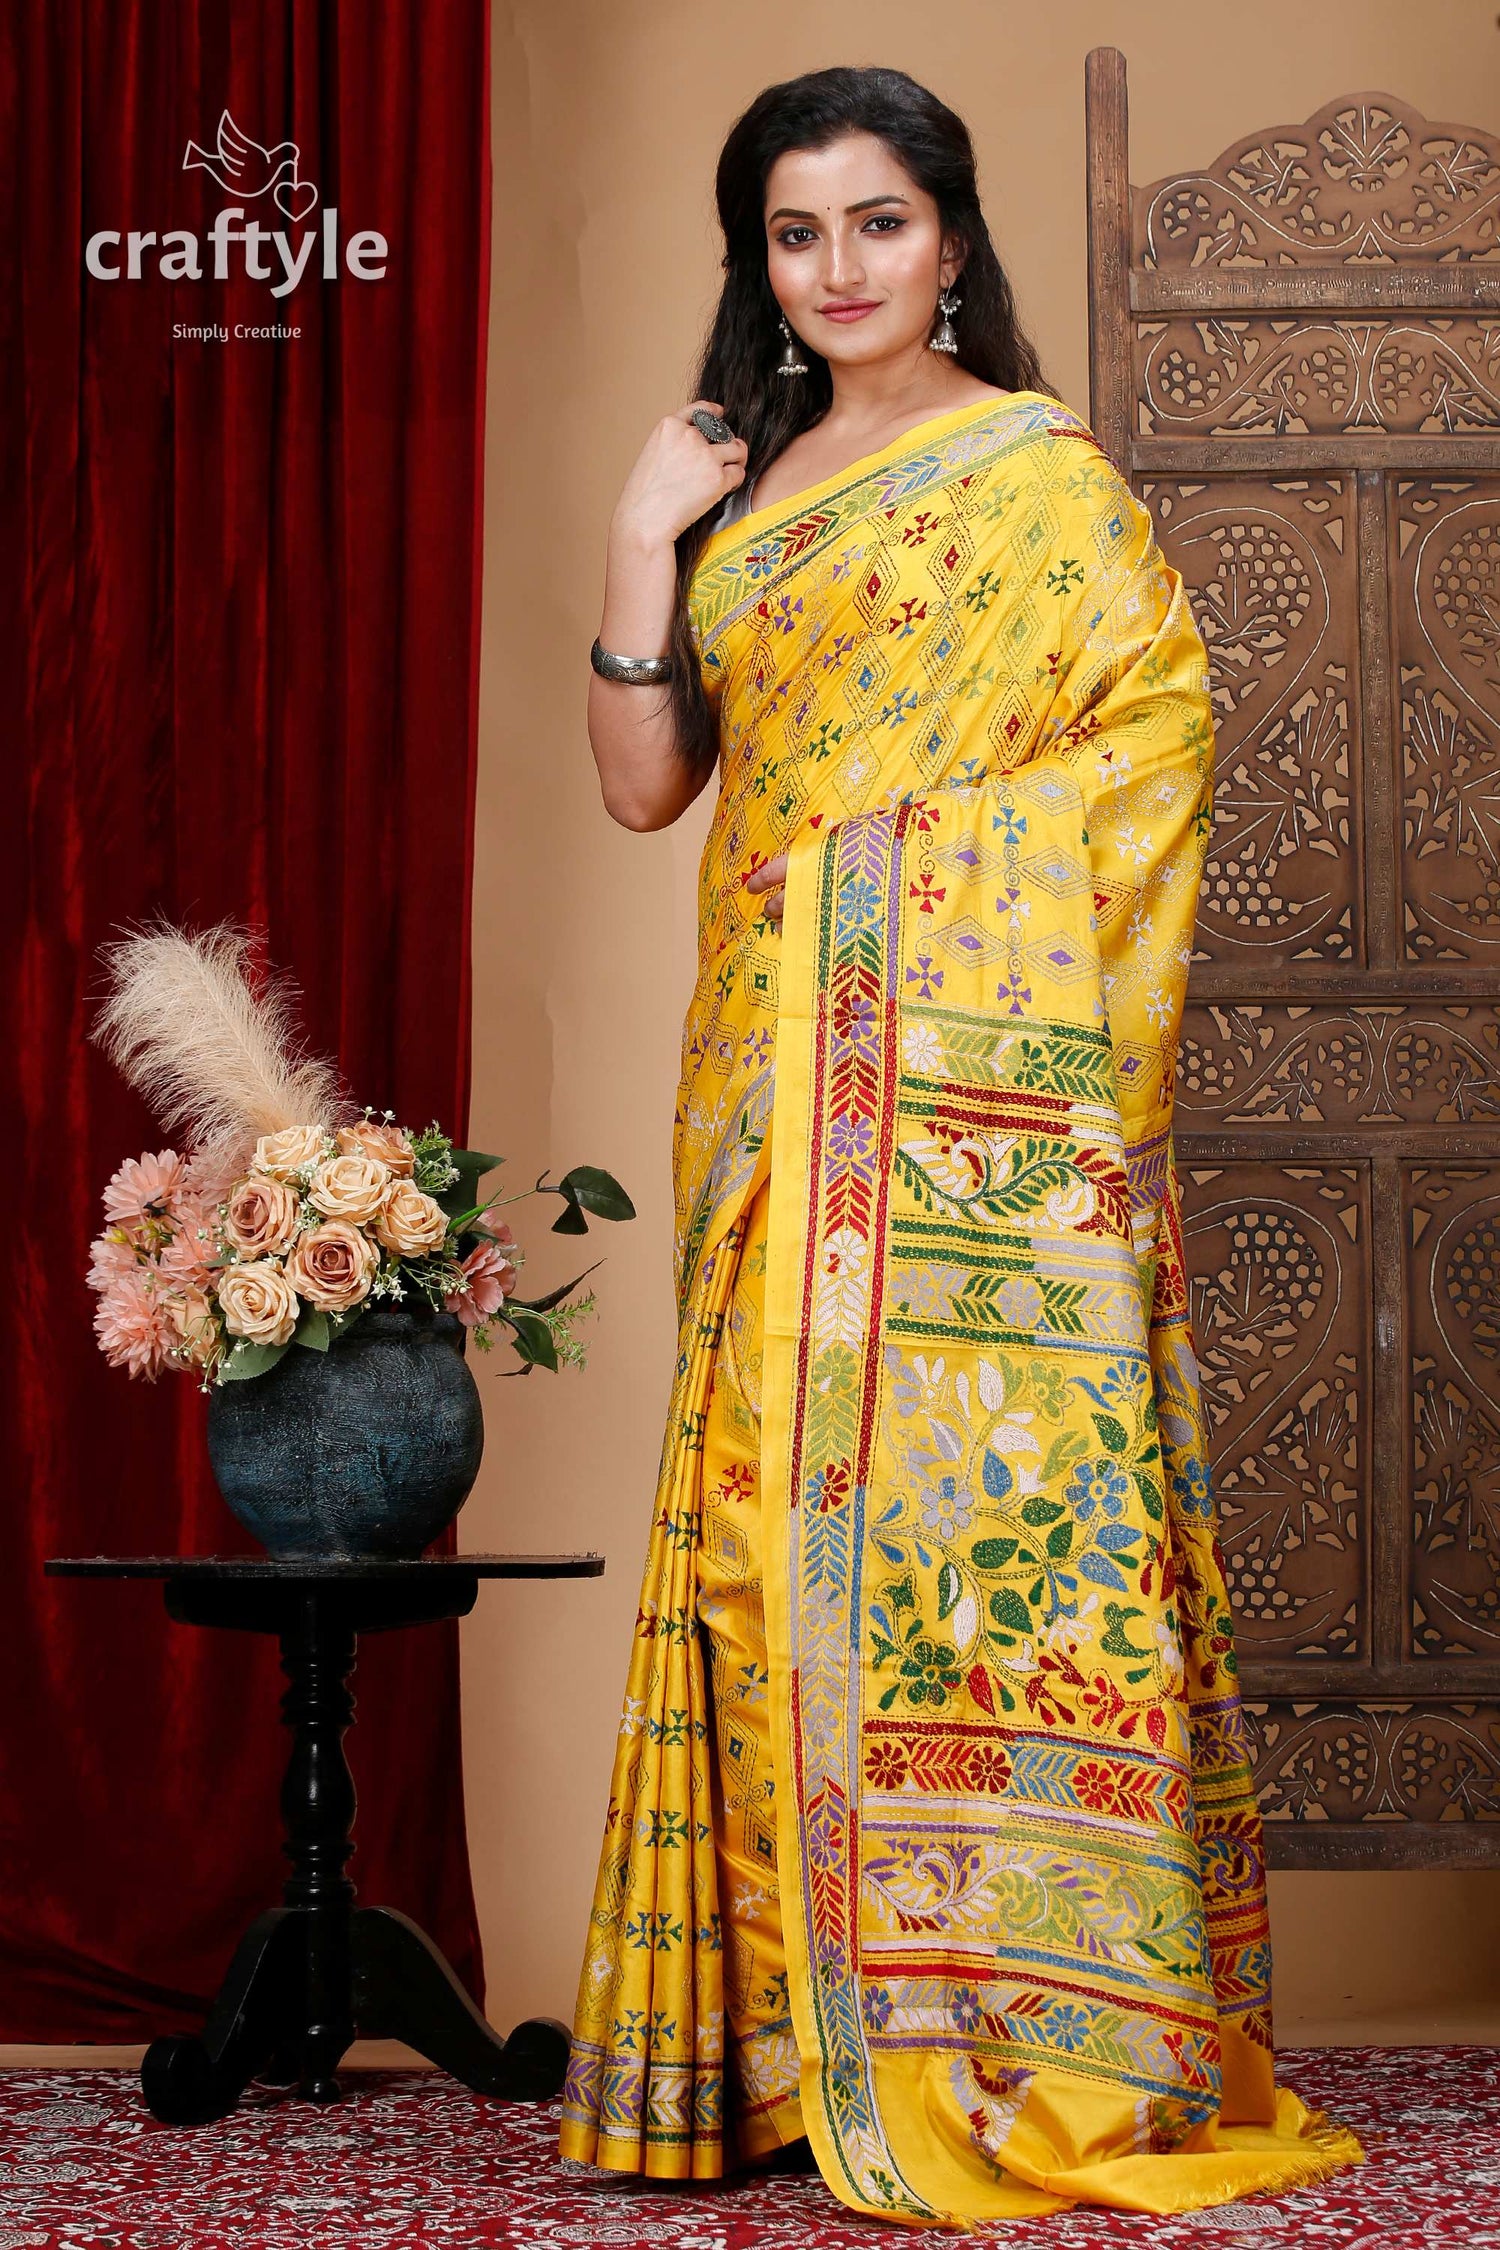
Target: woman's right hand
<point>677,477</point>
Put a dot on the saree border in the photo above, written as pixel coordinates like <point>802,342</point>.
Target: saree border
<point>725,586</point>
<point>809,1609</point>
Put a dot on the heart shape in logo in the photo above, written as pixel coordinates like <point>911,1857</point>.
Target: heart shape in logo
<point>295,197</point>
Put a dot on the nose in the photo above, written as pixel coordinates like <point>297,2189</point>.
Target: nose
<point>844,266</point>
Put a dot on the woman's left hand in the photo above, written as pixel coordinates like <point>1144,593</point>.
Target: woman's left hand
<point>771,878</point>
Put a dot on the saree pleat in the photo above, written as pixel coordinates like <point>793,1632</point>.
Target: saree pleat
<point>1020,1867</point>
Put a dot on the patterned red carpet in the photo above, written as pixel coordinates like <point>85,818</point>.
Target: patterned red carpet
<point>412,2160</point>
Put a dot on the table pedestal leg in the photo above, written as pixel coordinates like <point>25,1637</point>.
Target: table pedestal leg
<point>308,1971</point>
<point>190,2081</point>
<point>317,1810</point>
<point>404,1989</point>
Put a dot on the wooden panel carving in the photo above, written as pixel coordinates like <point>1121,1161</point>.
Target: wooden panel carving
<point>1310,1063</point>
<point>1335,1761</point>
<point>1280,1291</point>
<point>1270,567</point>
<point>1453,1233</point>
<point>1445,571</point>
<point>1296,359</point>
<point>1367,177</point>
<point>1244,377</point>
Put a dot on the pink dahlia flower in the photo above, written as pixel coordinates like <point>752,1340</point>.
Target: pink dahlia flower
<point>491,1278</point>
<point>145,1187</point>
<point>110,1255</point>
<point>188,1260</point>
<point>132,1326</point>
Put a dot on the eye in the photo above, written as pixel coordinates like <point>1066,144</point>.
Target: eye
<point>885,219</point>
<point>785,237</point>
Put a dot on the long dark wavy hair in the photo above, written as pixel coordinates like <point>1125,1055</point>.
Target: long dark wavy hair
<point>739,361</point>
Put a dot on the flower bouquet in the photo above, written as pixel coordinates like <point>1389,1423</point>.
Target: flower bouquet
<point>292,1228</point>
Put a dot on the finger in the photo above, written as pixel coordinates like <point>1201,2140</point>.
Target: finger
<point>769,871</point>
<point>686,413</point>
<point>775,905</point>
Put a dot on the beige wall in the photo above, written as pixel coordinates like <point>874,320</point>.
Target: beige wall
<point>608,120</point>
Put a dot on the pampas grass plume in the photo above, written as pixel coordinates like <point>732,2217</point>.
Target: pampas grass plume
<point>217,1061</point>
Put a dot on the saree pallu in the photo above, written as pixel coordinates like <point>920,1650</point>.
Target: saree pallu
<point>1022,1889</point>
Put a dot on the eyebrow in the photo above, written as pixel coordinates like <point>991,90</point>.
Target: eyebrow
<point>868,204</point>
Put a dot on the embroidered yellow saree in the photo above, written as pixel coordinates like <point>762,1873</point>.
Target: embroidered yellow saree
<point>931,1831</point>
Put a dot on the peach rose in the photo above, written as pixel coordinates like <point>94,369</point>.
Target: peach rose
<point>388,1144</point>
<point>260,1217</point>
<point>410,1222</point>
<point>258,1302</point>
<point>191,1317</point>
<point>350,1187</point>
<point>292,1150</point>
<point>333,1265</point>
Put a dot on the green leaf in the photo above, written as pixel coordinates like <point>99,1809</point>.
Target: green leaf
<point>992,1554</point>
<point>463,1194</point>
<point>554,1296</point>
<point>313,1331</point>
<point>533,1339</point>
<point>1112,1435</point>
<point>1008,1610</point>
<point>570,1220</point>
<point>462,1221</point>
<point>950,1588</point>
<point>599,1192</point>
<point>1117,1641</point>
<point>1062,1453</point>
<point>1041,1511</point>
<point>1059,1540</point>
<point>248,1360</point>
<point>475,1161</point>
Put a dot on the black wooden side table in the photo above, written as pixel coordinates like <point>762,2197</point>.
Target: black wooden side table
<point>315,1970</point>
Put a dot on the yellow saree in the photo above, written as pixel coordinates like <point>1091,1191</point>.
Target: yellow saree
<point>1006,1796</point>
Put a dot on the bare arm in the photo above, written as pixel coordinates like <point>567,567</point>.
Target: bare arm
<point>644,782</point>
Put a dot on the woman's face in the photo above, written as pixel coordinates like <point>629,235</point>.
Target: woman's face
<point>855,250</point>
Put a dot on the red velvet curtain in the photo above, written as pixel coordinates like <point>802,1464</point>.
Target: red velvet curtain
<point>240,613</point>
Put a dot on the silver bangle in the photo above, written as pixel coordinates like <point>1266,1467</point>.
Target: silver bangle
<point>635,671</point>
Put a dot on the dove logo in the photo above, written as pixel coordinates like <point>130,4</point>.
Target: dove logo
<point>245,168</point>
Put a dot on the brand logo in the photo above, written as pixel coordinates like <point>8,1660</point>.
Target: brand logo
<point>244,167</point>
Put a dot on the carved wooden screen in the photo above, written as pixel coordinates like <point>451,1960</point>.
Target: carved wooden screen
<point>1296,361</point>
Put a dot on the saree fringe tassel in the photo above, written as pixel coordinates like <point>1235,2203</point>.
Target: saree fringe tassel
<point>1019,1858</point>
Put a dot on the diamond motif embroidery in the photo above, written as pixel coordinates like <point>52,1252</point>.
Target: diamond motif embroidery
<point>967,855</point>
<point>1053,871</point>
<point>967,940</point>
<point>1060,957</point>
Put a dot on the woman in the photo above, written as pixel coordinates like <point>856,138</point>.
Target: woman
<point>931,1836</point>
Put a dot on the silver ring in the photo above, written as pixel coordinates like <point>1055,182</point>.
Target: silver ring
<point>713,426</point>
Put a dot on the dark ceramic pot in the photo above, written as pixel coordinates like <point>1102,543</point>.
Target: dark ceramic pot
<point>369,1448</point>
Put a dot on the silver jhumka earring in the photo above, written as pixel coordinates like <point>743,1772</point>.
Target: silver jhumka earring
<point>790,363</point>
<point>945,340</point>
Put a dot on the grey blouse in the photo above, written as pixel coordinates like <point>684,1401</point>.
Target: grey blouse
<point>739,503</point>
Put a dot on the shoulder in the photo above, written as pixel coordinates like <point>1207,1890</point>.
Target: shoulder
<point>1039,444</point>
<point>1086,494</point>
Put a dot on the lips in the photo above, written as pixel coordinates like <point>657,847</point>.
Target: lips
<point>847,312</point>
